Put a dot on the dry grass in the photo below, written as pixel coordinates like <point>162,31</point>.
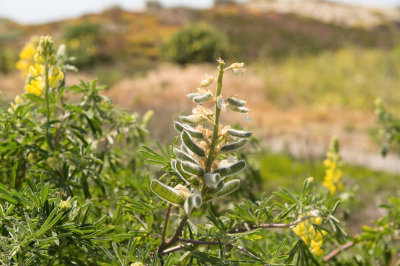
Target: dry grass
<point>163,90</point>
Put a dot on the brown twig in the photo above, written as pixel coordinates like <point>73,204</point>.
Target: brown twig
<point>164,232</point>
<point>336,251</point>
<point>164,245</point>
<point>213,243</point>
<point>265,226</point>
<point>169,250</point>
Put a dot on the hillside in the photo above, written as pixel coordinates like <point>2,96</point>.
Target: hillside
<point>330,12</point>
<point>258,30</point>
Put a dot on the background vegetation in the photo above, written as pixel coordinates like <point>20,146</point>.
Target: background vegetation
<point>86,190</point>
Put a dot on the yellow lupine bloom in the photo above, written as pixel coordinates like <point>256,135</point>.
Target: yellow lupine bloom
<point>333,174</point>
<point>35,86</point>
<point>36,70</point>
<point>26,56</point>
<point>311,237</point>
<point>28,51</point>
<point>56,77</point>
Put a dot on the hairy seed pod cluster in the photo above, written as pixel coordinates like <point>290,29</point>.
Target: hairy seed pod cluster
<point>204,159</point>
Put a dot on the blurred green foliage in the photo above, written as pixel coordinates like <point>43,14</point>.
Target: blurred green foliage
<point>275,166</point>
<point>195,44</point>
<point>84,41</point>
<point>348,77</point>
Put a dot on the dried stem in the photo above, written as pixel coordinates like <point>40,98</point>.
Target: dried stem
<point>173,249</point>
<point>214,243</point>
<point>164,245</point>
<point>166,223</point>
<point>265,226</point>
<point>336,251</point>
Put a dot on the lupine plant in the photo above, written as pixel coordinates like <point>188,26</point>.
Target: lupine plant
<point>202,167</point>
<point>75,188</point>
<point>61,165</point>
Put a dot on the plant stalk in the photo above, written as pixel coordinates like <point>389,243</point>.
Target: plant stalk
<point>47,90</point>
<point>164,245</point>
<point>210,157</point>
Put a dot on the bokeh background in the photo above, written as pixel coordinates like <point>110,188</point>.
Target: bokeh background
<point>314,70</point>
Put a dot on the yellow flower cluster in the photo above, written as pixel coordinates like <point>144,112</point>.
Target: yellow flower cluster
<point>26,56</point>
<point>333,174</point>
<point>43,58</point>
<point>310,236</point>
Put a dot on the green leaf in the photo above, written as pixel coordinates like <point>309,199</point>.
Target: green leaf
<point>14,173</point>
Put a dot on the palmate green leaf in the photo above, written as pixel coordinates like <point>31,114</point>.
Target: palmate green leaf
<point>137,205</point>
<point>49,223</point>
<point>286,195</point>
<point>7,196</point>
<point>301,255</point>
<point>14,173</point>
<point>154,157</point>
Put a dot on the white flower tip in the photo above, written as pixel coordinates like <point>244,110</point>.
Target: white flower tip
<point>207,81</point>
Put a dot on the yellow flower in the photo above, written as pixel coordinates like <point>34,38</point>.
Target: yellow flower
<point>333,174</point>
<point>36,70</point>
<point>28,51</point>
<point>26,56</point>
<point>35,86</point>
<point>56,77</point>
<point>310,236</point>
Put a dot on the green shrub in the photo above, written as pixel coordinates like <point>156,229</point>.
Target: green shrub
<point>75,188</point>
<point>194,44</point>
<point>8,58</point>
<point>84,41</point>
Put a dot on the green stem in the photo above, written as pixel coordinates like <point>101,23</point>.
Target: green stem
<point>211,154</point>
<point>47,90</point>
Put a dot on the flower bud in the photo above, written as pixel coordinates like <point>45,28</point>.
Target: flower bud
<point>207,81</point>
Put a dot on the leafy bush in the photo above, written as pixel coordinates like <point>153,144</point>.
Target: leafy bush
<point>353,78</point>
<point>84,41</point>
<point>57,153</point>
<point>8,58</point>
<point>194,44</point>
<point>75,188</point>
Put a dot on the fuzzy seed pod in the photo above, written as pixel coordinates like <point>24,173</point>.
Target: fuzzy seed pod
<point>190,130</point>
<point>178,126</point>
<point>202,98</point>
<point>192,95</point>
<point>183,156</point>
<point>196,199</point>
<point>239,109</point>
<point>190,119</point>
<point>235,102</point>
<point>192,168</point>
<point>191,145</point>
<point>176,165</point>
<point>239,133</point>
<point>233,145</point>
<point>229,187</point>
<point>166,193</point>
<point>231,169</point>
<point>212,180</point>
<point>188,205</point>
